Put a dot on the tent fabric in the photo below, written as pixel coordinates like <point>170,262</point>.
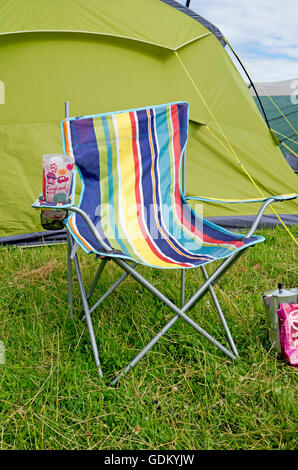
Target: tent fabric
<point>278,99</point>
<point>151,22</point>
<point>59,236</point>
<point>129,164</point>
<point>46,237</point>
<point>245,221</point>
<point>291,159</point>
<point>280,88</point>
<point>108,56</point>
<point>214,29</point>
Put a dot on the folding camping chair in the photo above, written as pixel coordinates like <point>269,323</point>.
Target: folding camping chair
<point>132,210</point>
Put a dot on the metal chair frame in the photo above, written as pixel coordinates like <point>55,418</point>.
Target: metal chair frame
<point>129,269</point>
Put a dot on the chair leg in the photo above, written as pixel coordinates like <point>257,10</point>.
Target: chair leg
<point>108,292</point>
<point>88,317</point>
<point>69,275</point>
<point>97,277</point>
<point>179,312</point>
<point>182,287</point>
<point>220,313</point>
<point>129,269</point>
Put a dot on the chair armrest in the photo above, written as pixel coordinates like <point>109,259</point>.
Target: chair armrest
<point>279,198</point>
<point>266,202</point>
<point>257,220</point>
<point>40,203</point>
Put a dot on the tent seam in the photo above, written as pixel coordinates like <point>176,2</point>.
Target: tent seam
<point>6,33</point>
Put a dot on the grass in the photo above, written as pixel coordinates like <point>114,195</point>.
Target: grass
<point>183,395</point>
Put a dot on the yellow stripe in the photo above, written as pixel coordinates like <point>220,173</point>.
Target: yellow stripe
<point>107,228</point>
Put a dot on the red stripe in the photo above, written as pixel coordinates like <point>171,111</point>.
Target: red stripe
<point>178,199</point>
<point>138,195</point>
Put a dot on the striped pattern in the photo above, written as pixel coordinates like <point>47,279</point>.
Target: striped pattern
<point>129,163</point>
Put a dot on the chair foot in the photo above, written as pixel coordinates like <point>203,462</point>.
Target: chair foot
<point>115,380</point>
<point>99,370</point>
<point>70,313</point>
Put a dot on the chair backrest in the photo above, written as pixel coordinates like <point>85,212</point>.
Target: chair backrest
<point>128,162</point>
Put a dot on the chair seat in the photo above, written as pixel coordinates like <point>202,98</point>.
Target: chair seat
<point>189,248</point>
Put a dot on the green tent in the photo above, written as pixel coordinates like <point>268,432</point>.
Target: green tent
<point>105,56</point>
<point>280,104</point>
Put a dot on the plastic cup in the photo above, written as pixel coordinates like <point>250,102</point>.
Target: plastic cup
<point>57,177</point>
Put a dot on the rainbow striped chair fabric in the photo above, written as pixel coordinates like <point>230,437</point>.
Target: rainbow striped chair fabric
<point>129,164</point>
<point>132,209</point>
